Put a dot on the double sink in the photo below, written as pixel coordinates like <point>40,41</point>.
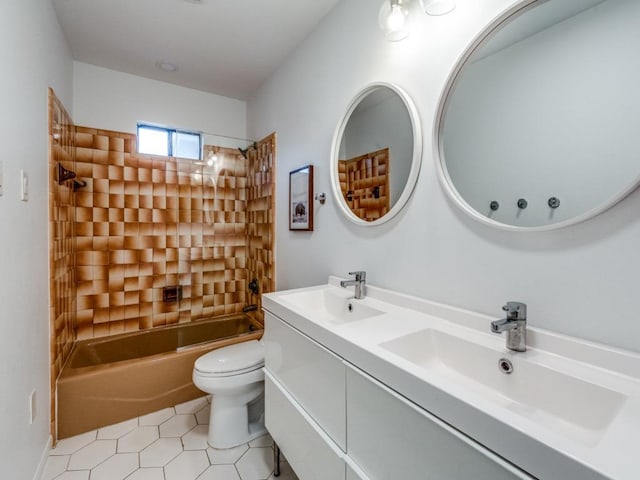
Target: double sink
<point>564,405</point>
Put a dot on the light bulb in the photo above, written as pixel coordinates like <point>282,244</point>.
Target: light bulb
<point>396,19</point>
<point>393,20</point>
<point>213,158</point>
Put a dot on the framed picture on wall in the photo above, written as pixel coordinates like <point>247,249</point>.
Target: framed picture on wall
<point>301,198</point>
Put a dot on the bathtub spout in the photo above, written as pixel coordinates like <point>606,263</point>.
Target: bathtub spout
<point>250,308</point>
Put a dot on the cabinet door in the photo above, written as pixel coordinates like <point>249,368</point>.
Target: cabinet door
<point>309,451</point>
<point>313,375</point>
<point>391,438</point>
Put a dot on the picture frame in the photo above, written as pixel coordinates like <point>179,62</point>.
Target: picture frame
<point>301,199</point>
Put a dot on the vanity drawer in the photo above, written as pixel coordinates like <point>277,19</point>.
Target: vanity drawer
<point>313,375</point>
<point>308,449</point>
<point>389,437</point>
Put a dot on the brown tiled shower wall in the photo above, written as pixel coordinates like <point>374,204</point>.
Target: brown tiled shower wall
<point>147,222</point>
<point>142,223</point>
<point>62,272</point>
<point>261,219</point>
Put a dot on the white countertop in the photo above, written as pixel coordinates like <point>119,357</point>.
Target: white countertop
<point>589,445</point>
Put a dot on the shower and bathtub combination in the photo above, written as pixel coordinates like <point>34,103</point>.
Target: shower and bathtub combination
<point>115,378</point>
<point>150,263</point>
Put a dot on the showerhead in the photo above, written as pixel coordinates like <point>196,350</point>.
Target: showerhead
<point>244,151</point>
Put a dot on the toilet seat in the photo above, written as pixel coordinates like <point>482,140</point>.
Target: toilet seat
<point>223,385</point>
<point>231,360</point>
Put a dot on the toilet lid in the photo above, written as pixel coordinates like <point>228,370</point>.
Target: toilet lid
<point>233,358</point>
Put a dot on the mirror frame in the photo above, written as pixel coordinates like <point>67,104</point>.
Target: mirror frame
<point>416,160</point>
<point>477,42</point>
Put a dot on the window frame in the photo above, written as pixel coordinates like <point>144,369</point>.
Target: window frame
<point>171,139</point>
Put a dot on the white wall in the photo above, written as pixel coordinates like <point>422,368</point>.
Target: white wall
<point>113,100</point>
<point>582,280</point>
<point>34,56</point>
<point>549,94</point>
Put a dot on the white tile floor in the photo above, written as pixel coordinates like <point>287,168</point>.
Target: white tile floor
<point>170,444</point>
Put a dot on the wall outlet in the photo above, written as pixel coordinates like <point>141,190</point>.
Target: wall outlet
<point>32,407</point>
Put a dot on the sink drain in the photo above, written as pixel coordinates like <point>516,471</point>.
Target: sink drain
<point>505,366</point>
<point>350,307</point>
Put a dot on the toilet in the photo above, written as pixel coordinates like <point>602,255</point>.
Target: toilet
<point>234,377</point>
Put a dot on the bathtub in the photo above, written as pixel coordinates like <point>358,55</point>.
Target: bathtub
<point>112,379</point>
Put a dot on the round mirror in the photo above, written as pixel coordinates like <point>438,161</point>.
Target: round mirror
<point>538,125</point>
<point>376,154</point>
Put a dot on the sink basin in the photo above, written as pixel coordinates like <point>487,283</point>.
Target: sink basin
<point>561,402</point>
<point>331,305</point>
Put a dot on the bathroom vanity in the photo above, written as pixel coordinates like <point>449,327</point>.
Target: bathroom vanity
<point>393,386</point>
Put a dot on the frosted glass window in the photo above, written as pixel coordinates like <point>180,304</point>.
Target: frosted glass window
<point>169,142</point>
<point>186,145</point>
<point>154,141</point>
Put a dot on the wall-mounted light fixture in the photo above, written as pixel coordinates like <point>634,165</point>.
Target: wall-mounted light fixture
<point>393,19</point>
<point>394,15</point>
<point>437,7</point>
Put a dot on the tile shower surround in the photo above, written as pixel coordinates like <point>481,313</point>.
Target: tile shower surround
<point>62,270</point>
<point>261,219</point>
<point>145,222</point>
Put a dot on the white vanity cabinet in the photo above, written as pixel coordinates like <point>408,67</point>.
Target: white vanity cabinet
<point>313,376</point>
<point>391,438</point>
<point>311,453</point>
<point>398,387</point>
<point>305,408</point>
<point>333,421</point>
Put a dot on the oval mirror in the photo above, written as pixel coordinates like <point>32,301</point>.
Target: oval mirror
<point>538,126</point>
<point>376,154</point>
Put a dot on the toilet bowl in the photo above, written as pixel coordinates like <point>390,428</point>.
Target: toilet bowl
<point>234,377</point>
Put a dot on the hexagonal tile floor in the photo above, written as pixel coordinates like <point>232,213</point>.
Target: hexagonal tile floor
<point>170,444</point>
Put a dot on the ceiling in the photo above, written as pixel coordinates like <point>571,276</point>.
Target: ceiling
<point>226,47</point>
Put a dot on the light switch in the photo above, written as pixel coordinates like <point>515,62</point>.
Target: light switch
<point>24,186</point>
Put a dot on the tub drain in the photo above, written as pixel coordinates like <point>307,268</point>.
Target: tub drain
<point>505,366</point>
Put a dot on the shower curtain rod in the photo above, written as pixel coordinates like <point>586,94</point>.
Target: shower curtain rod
<point>248,140</point>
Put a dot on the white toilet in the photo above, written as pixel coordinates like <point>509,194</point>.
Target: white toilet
<point>233,376</point>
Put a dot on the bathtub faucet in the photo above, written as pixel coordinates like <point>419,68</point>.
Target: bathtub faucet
<point>250,308</point>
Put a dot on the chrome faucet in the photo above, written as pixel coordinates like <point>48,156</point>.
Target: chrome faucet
<point>359,283</point>
<point>515,324</point>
